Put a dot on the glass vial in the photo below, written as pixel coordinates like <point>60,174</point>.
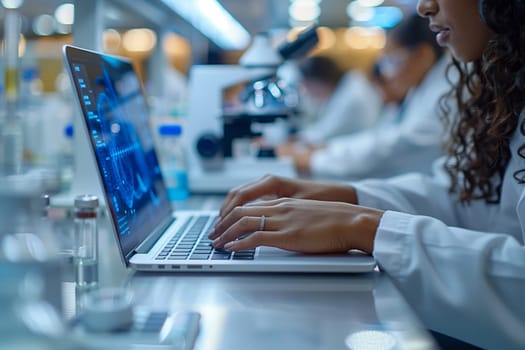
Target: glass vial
<point>86,243</point>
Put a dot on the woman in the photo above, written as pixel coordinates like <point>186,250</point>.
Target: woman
<point>453,244</point>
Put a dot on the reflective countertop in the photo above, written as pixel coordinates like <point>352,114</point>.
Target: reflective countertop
<point>268,310</point>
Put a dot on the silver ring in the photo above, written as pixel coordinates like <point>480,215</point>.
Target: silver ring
<point>261,223</point>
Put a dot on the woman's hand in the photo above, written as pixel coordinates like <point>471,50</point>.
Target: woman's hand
<point>308,226</point>
<point>270,187</point>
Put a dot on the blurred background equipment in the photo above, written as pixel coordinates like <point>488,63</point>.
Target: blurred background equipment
<point>165,38</point>
<point>242,100</point>
<point>30,269</point>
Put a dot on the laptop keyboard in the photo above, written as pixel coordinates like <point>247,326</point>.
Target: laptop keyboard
<point>192,243</point>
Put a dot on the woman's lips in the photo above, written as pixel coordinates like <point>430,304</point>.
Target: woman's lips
<point>442,34</point>
<point>443,37</point>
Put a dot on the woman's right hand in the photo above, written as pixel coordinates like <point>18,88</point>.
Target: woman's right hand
<point>270,186</point>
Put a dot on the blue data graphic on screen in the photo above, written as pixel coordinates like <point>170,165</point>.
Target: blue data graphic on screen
<point>118,123</point>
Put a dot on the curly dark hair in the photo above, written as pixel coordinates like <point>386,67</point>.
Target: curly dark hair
<point>490,96</point>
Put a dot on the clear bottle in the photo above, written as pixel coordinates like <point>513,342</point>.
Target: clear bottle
<point>86,243</point>
<point>173,160</point>
<point>11,130</point>
<point>32,119</point>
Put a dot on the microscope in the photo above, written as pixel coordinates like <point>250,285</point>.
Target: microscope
<point>232,111</point>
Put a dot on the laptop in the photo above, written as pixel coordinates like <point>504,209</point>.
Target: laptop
<point>151,234</point>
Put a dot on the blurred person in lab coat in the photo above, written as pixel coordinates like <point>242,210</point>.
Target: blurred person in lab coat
<point>334,102</point>
<point>411,75</point>
<point>452,242</point>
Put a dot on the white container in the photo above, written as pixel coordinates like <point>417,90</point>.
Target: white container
<point>173,161</point>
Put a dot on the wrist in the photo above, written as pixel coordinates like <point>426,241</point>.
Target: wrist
<point>366,225</point>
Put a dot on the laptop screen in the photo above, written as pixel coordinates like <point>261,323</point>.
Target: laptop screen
<point>117,119</point>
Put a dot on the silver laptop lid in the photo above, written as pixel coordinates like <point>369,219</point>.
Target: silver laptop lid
<point>116,116</point>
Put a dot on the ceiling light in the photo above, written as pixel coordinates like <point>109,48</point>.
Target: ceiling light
<point>111,40</point>
<point>385,17</point>
<point>304,11</point>
<point>370,3</point>
<point>65,14</point>
<point>44,25</point>
<point>361,38</point>
<point>212,19</point>
<point>327,38</point>
<point>139,40</point>
<point>175,45</point>
<point>359,13</point>
<point>12,4</point>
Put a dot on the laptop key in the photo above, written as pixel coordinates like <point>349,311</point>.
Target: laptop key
<point>245,253</point>
<point>199,256</point>
<point>202,251</point>
<point>220,257</point>
<point>222,250</point>
<point>235,257</point>
<point>183,242</point>
<point>177,257</point>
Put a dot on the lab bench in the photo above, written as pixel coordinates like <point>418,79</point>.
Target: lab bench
<point>267,310</point>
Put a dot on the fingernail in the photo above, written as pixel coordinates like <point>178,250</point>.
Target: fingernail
<point>229,245</point>
<point>211,234</point>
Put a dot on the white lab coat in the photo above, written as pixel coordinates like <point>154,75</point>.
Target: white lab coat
<point>354,105</point>
<point>462,267</point>
<point>391,148</point>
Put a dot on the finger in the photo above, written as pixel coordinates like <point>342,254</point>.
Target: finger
<point>247,193</point>
<point>267,202</point>
<point>236,196</point>
<point>252,241</point>
<point>223,223</point>
<point>251,209</point>
<point>255,210</point>
<point>243,226</point>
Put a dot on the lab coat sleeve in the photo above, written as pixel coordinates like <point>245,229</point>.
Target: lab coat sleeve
<point>410,193</point>
<point>421,194</point>
<point>463,283</point>
<point>429,195</point>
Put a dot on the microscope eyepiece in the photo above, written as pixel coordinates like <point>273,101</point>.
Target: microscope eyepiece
<point>301,46</point>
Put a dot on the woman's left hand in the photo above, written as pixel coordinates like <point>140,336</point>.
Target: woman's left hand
<point>300,225</point>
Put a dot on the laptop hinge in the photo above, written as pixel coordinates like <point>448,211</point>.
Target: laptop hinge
<point>152,238</point>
